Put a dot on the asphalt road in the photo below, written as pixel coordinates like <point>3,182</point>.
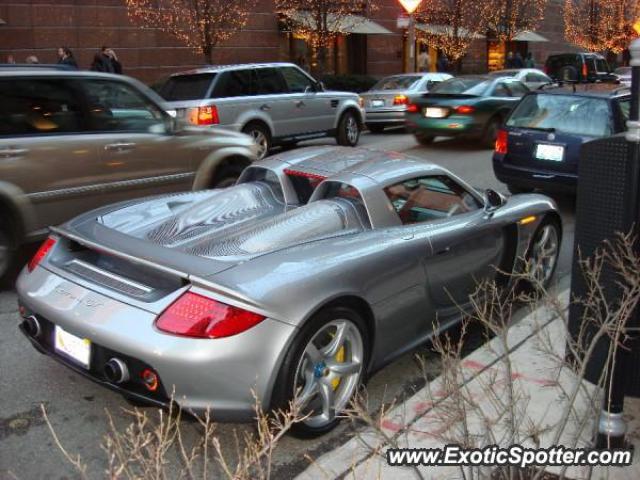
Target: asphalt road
<point>77,407</point>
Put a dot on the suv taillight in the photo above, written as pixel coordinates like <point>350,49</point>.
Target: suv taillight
<point>502,142</point>
<point>585,70</point>
<point>194,315</point>
<point>204,116</point>
<point>41,254</point>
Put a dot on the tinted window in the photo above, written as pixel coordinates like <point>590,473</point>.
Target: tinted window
<point>467,86</point>
<point>270,81</point>
<point>565,113</point>
<point>429,198</point>
<point>517,89</point>
<point>186,87</point>
<point>236,83</point>
<point>297,82</point>
<point>39,106</point>
<point>116,106</point>
<point>399,82</point>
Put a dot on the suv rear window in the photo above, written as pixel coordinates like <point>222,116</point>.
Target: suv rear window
<point>186,87</point>
<point>572,114</point>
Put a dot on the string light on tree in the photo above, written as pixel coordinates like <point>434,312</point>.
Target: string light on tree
<point>508,18</point>
<point>319,22</point>
<point>200,24</point>
<point>601,25</point>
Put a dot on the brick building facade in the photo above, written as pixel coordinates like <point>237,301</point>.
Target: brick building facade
<point>38,27</point>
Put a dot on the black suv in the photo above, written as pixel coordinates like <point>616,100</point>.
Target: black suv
<point>579,67</point>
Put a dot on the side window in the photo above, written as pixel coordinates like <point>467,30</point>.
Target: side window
<point>39,106</point>
<point>116,106</point>
<point>297,82</point>
<point>270,82</point>
<point>235,83</point>
<point>501,90</point>
<point>429,198</point>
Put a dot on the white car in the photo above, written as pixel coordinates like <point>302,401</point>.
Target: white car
<point>531,77</point>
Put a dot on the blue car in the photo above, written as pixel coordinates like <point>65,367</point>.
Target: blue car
<point>539,145</point>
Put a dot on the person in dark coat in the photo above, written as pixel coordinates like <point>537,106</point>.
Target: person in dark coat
<point>106,61</point>
<point>65,57</point>
<point>443,64</point>
<point>518,61</point>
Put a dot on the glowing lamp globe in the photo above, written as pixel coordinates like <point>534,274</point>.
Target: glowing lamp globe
<point>410,5</point>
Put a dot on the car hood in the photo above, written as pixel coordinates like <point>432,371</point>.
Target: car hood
<point>204,233</point>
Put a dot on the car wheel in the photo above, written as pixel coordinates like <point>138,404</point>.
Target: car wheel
<point>226,176</point>
<point>348,130</point>
<point>517,189</point>
<point>7,249</point>
<point>491,132</point>
<point>424,139</point>
<point>375,128</point>
<point>323,369</point>
<point>261,137</point>
<point>543,252</point>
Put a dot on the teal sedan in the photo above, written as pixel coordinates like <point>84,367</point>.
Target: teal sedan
<point>474,106</point>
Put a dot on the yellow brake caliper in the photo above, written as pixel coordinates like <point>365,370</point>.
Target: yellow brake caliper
<point>339,358</point>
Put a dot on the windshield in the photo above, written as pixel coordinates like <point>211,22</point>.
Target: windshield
<point>574,115</point>
<point>405,82</point>
<point>467,86</point>
<point>186,87</point>
<point>503,73</point>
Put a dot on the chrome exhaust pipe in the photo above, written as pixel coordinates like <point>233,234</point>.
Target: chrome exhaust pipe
<point>31,325</point>
<point>116,371</point>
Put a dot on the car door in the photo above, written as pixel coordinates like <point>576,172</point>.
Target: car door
<point>46,150</point>
<point>310,111</point>
<point>465,245</point>
<point>139,155</point>
<point>272,98</point>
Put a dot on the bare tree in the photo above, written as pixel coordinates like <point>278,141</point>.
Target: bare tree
<point>201,24</point>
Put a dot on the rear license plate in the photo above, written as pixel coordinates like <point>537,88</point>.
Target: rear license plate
<point>76,348</point>
<point>554,153</point>
<point>434,112</point>
<point>377,103</point>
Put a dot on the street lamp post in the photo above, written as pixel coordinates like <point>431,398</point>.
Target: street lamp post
<point>612,428</point>
<point>410,6</point>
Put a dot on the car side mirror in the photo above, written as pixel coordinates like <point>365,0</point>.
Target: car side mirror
<point>492,200</point>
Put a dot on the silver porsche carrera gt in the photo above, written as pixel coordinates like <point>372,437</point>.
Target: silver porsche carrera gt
<point>317,268</point>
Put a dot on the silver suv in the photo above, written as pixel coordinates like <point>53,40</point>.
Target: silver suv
<point>73,141</point>
<point>275,103</point>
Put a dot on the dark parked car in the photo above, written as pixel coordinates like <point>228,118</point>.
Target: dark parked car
<point>539,146</point>
<point>468,105</point>
<point>579,67</point>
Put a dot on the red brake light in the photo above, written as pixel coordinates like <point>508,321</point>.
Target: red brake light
<point>400,100</point>
<point>204,116</point>
<point>502,142</point>
<point>413,108</point>
<point>42,252</point>
<point>194,315</point>
<point>465,109</point>
<point>585,71</point>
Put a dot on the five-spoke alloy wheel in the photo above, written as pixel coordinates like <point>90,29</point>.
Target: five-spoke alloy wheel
<point>544,250</point>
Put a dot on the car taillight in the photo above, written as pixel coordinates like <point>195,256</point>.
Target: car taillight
<point>42,252</point>
<point>465,109</point>
<point>502,142</point>
<point>400,100</point>
<point>194,315</point>
<point>204,116</point>
<point>585,71</point>
<point>413,108</point>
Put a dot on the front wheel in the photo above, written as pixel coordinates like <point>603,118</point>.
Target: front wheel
<point>348,130</point>
<point>542,255</point>
<point>7,249</point>
<point>323,369</point>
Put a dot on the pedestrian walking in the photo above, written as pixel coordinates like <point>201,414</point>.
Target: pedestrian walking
<point>443,64</point>
<point>529,62</point>
<point>518,61</point>
<point>65,57</point>
<point>508,63</point>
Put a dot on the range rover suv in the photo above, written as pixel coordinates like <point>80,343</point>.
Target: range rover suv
<point>72,141</point>
<point>275,103</point>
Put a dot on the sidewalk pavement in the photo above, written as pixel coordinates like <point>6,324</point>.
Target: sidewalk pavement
<point>430,418</point>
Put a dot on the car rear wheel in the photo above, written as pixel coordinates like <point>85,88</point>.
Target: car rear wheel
<point>226,176</point>
<point>375,127</point>
<point>7,249</point>
<point>261,137</point>
<point>491,132</point>
<point>348,130</point>
<point>424,139</point>
<point>543,252</point>
<point>323,369</point>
